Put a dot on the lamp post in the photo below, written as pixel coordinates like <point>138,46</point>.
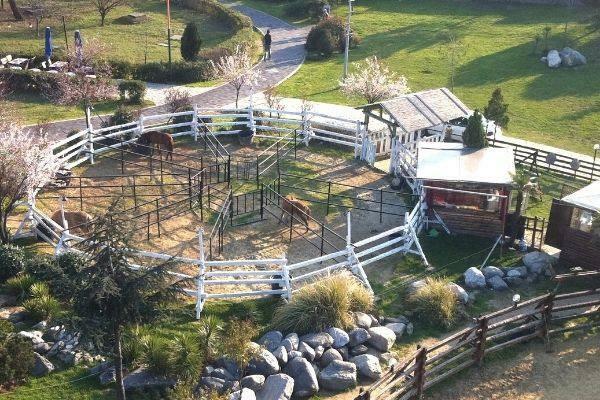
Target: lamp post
<point>347,46</point>
<point>596,148</point>
<point>169,29</point>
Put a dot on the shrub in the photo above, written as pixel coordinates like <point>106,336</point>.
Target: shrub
<point>132,91</point>
<point>244,129</point>
<point>133,348</point>
<point>214,54</point>
<point>19,285</point>
<point>235,341</point>
<point>233,19</point>
<point>157,356</point>
<point>42,307</point>
<point>325,303</point>
<point>320,41</point>
<point>121,69</point>
<point>16,358</point>
<point>435,304</point>
<point>190,42</point>
<point>305,8</point>
<point>474,135</point>
<point>186,360</point>
<point>61,274</point>
<point>12,261</point>
<point>497,109</point>
<point>123,115</point>
<point>6,328</point>
<point>180,72</point>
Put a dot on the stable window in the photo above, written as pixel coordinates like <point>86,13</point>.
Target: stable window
<point>582,220</point>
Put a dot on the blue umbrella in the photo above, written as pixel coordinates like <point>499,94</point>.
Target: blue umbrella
<point>79,47</point>
<point>48,44</point>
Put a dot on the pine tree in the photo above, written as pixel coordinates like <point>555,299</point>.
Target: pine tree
<point>190,42</point>
<point>474,135</point>
<point>497,109</point>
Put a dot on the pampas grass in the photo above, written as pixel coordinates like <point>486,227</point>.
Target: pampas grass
<point>435,304</point>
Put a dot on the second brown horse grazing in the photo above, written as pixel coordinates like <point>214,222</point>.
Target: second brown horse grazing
<point>160,140</point>
<point>79,222</point>
<point>296,208</point>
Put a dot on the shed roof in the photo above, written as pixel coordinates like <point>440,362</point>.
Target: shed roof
<point>421,110</point>
<point>452,162</point>
<point>588,197</point>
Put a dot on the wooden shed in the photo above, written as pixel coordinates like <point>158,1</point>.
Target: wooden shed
<point>571,228</point>
<point>466,190</point>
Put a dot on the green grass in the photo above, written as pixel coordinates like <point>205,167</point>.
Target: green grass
<point>557,107</point>
<point>133,43</point>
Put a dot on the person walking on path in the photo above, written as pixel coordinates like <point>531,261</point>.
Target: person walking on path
<point>267,45</point>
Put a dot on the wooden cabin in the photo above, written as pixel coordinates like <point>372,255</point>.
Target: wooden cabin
<point>571,227</point>
<point>466,190</point>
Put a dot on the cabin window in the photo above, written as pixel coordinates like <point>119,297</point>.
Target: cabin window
<point>458,200</point>
<point>582,220</point>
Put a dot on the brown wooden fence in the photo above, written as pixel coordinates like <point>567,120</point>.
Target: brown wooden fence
<point>540,317</point>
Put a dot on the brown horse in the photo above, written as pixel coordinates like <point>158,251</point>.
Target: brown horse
<point>158,139</point>
<point>295,207</point>
<point>79,222</point>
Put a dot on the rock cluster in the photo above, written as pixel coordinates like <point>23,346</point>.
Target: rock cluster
<point>567,57</point>
<point>299,366</point>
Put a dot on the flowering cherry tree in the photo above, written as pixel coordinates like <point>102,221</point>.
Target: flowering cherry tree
<point>237,70</point>
<point>373,82</point>
<point>25,164</point>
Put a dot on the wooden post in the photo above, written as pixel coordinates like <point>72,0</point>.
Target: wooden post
<point>328,197</point>
<point>88,120</point>
<point>201,271</point>
<point>80,195</point>
<point>546,320</point>
<point>420,360</point>
<point>287,281</point>
<point>356,146</point>
<point>195,122</point>
<point>190,187</point>
<point>535,221</point>
<point>479,354</point>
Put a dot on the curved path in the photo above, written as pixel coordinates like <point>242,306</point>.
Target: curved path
<point>287,56</point>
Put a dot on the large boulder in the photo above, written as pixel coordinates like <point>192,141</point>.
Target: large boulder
<point>305,378</point>
<point>490,271</point>
<point>277,387</point>
<point>253,382</point>
<point>518,272</point>
<point>230,365</point>
<point>460,293</point>
<point>281,355</point>
<point>291,342</point>
<point>244,394</point>
<point>263,362</point>
<point>398,328</point>
<point>329,356</point>
<point>514,281</point>
<point>271,340</point>
<point>358,350</point>
<point>362,320</point>
<point>34,336</point>
<point>318,339</point>
<point>474,278</point>
<point>338,376</point>
<point>141,379</point>
<point>358,336</point>
<point>382,338</point>
<point>415,286</point>
<point>538,262</point>
<point>553,59</point>
<point>41,366</point>
<point>222,373</point>
<point>571,58</point>
<point>108,376</point>
<point>497,283</point>
<point>367,365</point>
<point>340,337</point>
<point>307,351</point>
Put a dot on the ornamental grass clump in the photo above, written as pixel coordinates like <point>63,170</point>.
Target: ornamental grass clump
<point>326,303</point>
<point>435,304</point>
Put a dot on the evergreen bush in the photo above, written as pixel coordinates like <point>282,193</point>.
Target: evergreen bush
<point>190,42</point>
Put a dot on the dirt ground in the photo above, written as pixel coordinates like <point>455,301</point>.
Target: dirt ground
<point>570,372</point>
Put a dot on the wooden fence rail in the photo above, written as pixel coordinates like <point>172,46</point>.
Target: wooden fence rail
<point>540,317</point>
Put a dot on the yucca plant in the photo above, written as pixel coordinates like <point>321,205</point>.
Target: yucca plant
<point>185,357</point>
<point>42,307</point>
<point>19,285</point>
<point>435,304</point>
<point>209,332</point>
<point>328,302</point>
<point>157,355</point>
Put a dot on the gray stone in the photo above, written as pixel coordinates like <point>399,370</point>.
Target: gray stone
<point>7,300</point>
<point>388,358</point>
<point>318,339</point>
<point>263,362</point>
<point>415,286</point>
<point>338,376</point>
<point>553,59</point>
<point>253,382</point>
<point>41,366</point>
<point>14,315</point>
<point>293,339</point>
<point>382,338</point>
<point>410,329</point>
<point>400,319</point>
<point>34,336</point>
<point>497,283</point>
<point>294,354</point>
<point>213,384</point>
<point>474,278</point>
<point>289,345</point>
<point>231,386</point>
<point>398,328</point>
<point>108,376</point>
<point>42,348</point>
<point>305,378</point>
<point>374,320</point>
<point>367,366</point>
<point>571,58</point>
<point>277,387</point>
<point>271,340</point>
<point>244,394</point>
<point>230,365</point>
<point>142,379</point>
<point>40,326</point>
<point>319,350</point>
<point>514,281</point>
<point>518,272</point>
<point>490,271</point>
<point>66,357</point>
<point>281,355</point>
<point>362,320</point>
<point>307,351</point>
<point>222,373</point>
<point>344,353</point>
<point>340,337</point>
<point>101,367</point>
<point>329,356</point>
<point>358,336</point>
<point>358,350</point>
<point>537,262</point>
<point>460,293</point>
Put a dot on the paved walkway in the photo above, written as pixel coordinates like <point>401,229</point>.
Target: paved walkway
<point>287,56</point>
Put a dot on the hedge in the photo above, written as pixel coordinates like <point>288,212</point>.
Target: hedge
<point>180,72</point>
<point>233,19</point>
<point>28,81</point>
<point>132,91</point>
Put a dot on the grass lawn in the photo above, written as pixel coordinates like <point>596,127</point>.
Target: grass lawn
<point>133,43</point>
<point>557,107</point>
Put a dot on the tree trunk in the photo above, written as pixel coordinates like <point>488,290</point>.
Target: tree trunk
<point>15,10</point>
<point>102,18</point>
<point>237,96</point>
<point>119,364</point>
<point>4,237</point>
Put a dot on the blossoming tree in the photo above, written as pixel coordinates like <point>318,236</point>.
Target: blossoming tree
<point>373,82</point>
<point>26,163</point>
<point>236,68</point>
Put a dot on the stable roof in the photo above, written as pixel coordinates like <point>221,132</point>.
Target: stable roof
<point>421,110</point>
<point>588,197</point>
<point>452,162</point>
